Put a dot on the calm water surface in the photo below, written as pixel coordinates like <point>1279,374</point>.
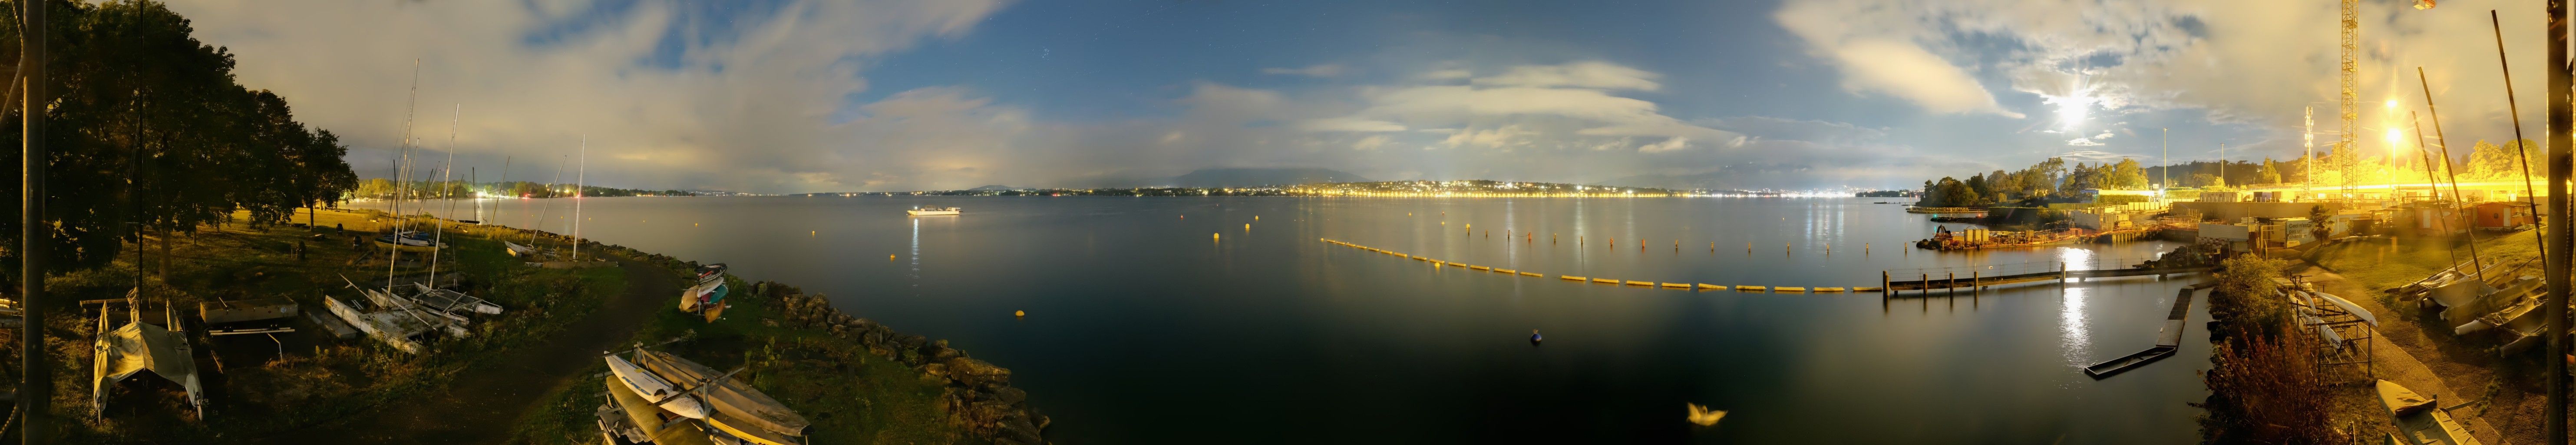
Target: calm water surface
<point>1143,327</point>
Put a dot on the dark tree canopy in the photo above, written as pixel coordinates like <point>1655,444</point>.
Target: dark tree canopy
<point>147,126</point>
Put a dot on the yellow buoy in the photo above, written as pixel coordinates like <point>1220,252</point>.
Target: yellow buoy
<point>889,257</point>
<point>1256,217</point>
<point>1247,227</point>
<point>1216,235</point>
<point>1019,313</point>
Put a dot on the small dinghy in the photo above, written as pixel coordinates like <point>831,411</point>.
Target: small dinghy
<point>1534,337</point>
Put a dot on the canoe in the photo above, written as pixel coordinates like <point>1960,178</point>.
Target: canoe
<point>1711,286</point>
<point>1788,289</point>
<point>1507,271</point>
<point>1480,268</point>
<point>1640,283</point>
<point>1533,274</point>
<point>1829,289</point>
<point>1571,278</point>
<point>655,390</point>
<point>1678,285</point>
<point>1605,281</point>
<point>1867,289</point>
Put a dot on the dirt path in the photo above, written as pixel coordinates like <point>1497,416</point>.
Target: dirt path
<point>483,406</point>
<point>2400,350</point>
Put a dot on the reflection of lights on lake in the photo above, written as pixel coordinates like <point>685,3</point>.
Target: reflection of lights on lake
<point>2075,258</point>
<point>2075,338</point>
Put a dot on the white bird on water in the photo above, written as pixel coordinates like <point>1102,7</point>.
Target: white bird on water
<point>1703,416</point>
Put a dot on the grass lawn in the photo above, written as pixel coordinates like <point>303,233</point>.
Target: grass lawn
<point>258,386</point>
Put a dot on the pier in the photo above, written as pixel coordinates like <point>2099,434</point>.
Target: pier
<point>2168,339</point>
<point>1979,277</point>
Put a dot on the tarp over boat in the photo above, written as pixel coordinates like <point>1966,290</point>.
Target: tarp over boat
<point>138,347</point>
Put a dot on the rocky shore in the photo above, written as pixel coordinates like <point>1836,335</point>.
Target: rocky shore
<point>977,397</point>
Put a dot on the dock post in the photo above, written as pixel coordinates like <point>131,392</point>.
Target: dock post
<point>1927,286</point>
<point>1974,283</point>
<point>1951,284</point>
<point>1882,285</point>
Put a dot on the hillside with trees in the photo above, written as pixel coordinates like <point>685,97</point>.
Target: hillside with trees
<point>2049,179</point>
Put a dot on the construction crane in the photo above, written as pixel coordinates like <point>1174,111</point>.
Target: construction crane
<point>2351,83</point>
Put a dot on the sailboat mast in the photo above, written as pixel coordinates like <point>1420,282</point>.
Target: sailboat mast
<point>394,249</point>
<point>446,192</point>
<point>578,181</point>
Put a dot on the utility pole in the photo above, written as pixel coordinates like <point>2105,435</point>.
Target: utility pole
<point>2164,176</point>
<point>35,235</point>
<point>2561,155</point>
<point>2308,155</point>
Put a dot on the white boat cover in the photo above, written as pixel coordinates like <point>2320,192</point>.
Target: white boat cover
<point>143,346</point>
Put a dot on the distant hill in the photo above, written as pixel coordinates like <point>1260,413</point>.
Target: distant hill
<point>1252,177</point>
<point>994,188</point>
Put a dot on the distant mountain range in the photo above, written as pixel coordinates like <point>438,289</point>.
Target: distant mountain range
<point>994,188</point>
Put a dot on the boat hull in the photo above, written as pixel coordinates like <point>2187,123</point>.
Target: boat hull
<point>932,212</point>
<point>655,390</point>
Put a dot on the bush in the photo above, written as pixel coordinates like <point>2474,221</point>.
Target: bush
<point>2267,391</point>
<point>2248,299</point>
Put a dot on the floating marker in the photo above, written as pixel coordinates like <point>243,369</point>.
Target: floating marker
<point>889,257</point>
<point>1216,236</point>
<point>1256,217</point>
<point>1749,288</point>
<point>1247,227</point>
<point>1019,313</point>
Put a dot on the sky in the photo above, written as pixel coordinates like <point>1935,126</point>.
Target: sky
<point>796,96</point>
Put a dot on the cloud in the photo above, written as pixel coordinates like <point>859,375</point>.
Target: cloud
<point>665,95</point>
<point>1319,70</point>
<point>2104,135</point>
<point>1894,65</point>
<point>1350,124</point>
<point>2254,64</point>
<point>1578,75</point>
<point>2083,142</point>
<point>1566,105</point>
<point>1675,143</point>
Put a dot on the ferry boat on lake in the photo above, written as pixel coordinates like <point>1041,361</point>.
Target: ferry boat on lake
<point>932,211</point>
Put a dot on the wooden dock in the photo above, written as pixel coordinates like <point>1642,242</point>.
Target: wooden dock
<point>2168,339</point>
<point>1977,279</point>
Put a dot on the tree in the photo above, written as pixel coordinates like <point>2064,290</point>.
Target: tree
<point>2270,173</point>
<point>2126,175</point>
<point>151,133</point>
<point>1977,184</point>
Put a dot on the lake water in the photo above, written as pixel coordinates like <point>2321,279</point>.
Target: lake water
<point>1142,327</point>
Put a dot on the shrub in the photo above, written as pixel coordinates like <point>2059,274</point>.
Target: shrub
<point>2267,390</point>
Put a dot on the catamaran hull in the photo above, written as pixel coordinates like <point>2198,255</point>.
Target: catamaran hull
<point>655,390</point>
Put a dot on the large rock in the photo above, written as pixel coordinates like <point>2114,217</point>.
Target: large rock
<point>978,374</point>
